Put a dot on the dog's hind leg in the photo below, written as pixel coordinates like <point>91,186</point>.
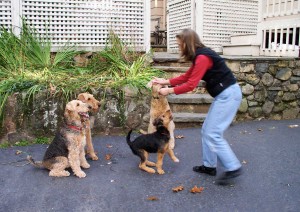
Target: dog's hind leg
<point>149,163</point>
<point>171,128</point>
<point>58,167</point>
<point>144,158</point>
<point>159,163</point>
<point>172,155</point>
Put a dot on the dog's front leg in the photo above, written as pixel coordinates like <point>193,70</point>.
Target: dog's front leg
<point>74,161</point>
<point>159,163</point>
<point>89,145</point>
<point>172,155</point>
<point>83,162</point>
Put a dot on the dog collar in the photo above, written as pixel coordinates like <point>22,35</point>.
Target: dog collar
<point>155,97</point>
<point>74,127</point>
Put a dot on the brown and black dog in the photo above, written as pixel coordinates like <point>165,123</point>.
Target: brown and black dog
<point>67,148</point>
<point>95,104</point>
<point>156,142</point>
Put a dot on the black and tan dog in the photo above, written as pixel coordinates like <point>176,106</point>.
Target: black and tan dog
<point>67,148</point>
<point>157,142</point>
<point>95,104</point>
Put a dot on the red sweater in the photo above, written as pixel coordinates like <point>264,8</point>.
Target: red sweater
<point>190,80</point>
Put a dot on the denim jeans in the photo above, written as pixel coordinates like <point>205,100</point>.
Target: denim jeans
<point>220,115</point>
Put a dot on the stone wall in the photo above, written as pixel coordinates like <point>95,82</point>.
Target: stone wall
<point>270,87</point>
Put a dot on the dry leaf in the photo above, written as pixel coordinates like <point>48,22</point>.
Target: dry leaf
<point>244,162</point>
<point>18,152</point>
<point>107,156</point>
<point>178,188</point>
<point>196,189</point>
<point>259,129</point>
<point>293,126</point>
<point>179,136</point>
<point>152,198</point>
<point>109,146</point>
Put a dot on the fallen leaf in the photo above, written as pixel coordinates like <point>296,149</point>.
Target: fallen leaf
<point>259,129</point>
<point>152,198</point>
<point>179,136</point>
<point>109,146</point>
<point>244,162</point>
<point>178,188</point>
<point>107,156</point>
<point>196,189</point>
<point>18,152</point>
<point>293,126</point>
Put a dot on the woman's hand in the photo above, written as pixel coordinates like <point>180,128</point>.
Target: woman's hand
<point>166,91</point>
<point>161,81</point>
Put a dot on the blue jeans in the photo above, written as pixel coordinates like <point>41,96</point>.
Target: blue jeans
<point>220,115</point>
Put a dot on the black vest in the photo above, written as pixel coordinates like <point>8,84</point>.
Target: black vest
<point>219,77</point>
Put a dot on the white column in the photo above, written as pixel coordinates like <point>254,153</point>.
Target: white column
<point>16,14</point>
<point>199,11</point>
<point>147,25</point>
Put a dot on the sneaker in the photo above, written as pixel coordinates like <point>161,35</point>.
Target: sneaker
<point>227,177</point>
<point>205,170</point>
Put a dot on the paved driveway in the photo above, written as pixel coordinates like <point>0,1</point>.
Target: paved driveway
<point>269,150</point>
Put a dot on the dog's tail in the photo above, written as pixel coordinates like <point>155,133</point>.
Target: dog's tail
<point>38,164</point>
<point>128,138</point>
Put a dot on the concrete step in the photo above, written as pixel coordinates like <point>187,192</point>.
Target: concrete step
<point>241,50</point>
<point>183,120</point>
<point>244,39</point>
<point>190,103</point>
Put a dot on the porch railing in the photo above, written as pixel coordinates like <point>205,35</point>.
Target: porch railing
<point>280,28</point>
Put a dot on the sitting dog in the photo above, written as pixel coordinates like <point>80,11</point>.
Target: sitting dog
<point>157,142</point>
<point>67,148</point>
<point>95,104</point>
<point>159,105</point>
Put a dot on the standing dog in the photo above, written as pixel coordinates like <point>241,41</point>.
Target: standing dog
<point>159,105</point>
<point>95,104</point>
<point>67,148</point>
<point>157,142</point>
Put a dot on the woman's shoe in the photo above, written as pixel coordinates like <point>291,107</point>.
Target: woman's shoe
<point>205,170</point>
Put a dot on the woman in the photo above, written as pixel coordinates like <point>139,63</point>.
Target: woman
<point>220,84</point>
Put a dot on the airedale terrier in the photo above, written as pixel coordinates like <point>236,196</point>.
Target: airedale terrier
<point>157,142</point>
<point>159,105</point>
<point>95,104</point>
<point>67,148</point>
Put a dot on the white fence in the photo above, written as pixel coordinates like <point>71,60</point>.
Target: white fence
<point>84,23</point>
<point>280,28</point>
<point>214,20</point>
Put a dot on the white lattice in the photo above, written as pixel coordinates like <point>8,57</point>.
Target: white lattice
<point>223,18</point>
<point>5,13</point>
<point>179,17</point>
<point>214,20</point>
<point>87,23</point>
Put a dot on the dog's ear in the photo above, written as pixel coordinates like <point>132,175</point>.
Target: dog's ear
<point>157,122</point>
<point>81,97</point>
<point>149,84</point>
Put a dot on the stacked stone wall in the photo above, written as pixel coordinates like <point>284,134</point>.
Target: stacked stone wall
<point>270,88</point>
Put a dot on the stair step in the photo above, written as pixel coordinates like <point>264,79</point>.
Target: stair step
<point>190,99</point>
<point>241,49</point>
<point>189,117</point>
<point>171,69</point>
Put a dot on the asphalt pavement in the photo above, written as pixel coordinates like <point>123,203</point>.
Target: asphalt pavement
<point>269,151</point>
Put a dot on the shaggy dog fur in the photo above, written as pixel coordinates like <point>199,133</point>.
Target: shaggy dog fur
<point>157,142</point>
<point>159,105</point>
<point>95,104</point>
<point>67,148</point>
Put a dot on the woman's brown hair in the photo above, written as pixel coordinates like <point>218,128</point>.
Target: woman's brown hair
<point>190,42</point>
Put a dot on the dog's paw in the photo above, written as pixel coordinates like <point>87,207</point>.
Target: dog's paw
<point>94,157</point>
<point>160,171</point>
<point>85,165</point>
<point>80,174</point>
<point>176,160</point>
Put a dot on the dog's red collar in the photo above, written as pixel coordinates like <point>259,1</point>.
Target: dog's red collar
<point>74,127</point>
